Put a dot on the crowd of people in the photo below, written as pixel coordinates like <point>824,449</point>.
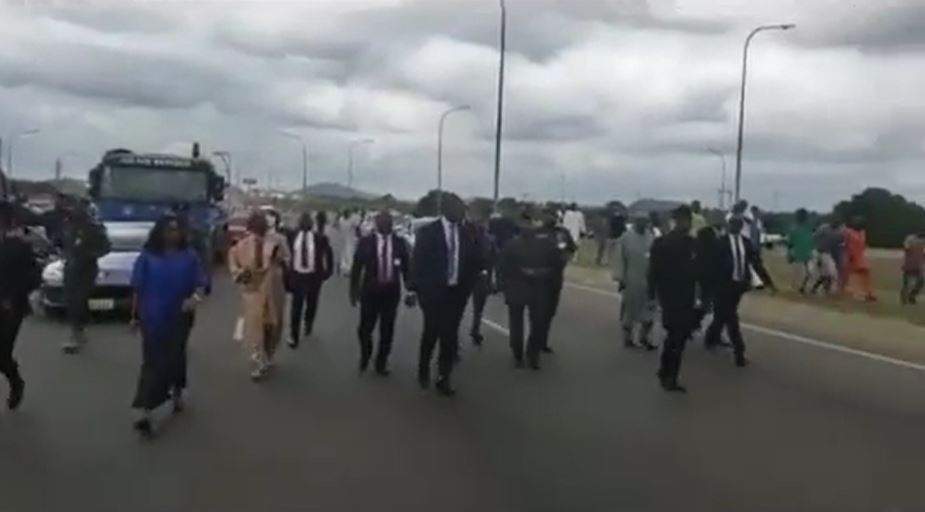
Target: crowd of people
<point>681,271</point>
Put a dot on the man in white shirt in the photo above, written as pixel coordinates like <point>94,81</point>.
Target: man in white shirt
<point>312,265</point>
<point>574,222</point>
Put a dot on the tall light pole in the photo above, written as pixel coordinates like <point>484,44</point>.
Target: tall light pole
<point>500,103</point>
<point>748,40</point>
<point>353,145</point>
<point>304,159</point>
<point>722,183</point>
<point>59,163</point>
<point>440,153</point>
<point>9,153</point>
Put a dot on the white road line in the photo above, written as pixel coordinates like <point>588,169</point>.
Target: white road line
<point>790,337</point>
<point>498,327</point>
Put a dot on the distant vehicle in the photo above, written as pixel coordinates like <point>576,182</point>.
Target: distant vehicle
<point>113,290</point>
<point>130,187</point>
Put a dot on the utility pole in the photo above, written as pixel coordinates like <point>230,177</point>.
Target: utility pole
<point>498,124</point>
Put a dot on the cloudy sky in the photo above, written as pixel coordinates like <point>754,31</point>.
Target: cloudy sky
<point>614,99</point>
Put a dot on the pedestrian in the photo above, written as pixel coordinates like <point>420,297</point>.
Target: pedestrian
<point>168,282</point>
<point>312,265</point>
<point>484,283</point>
<point>655,224</point>
<point>617,226</point>
<point>446,263</point>
<point>698,221</point>
<point>631,272</point>
<point>913,259</point>
<point>755,227</point>
<point>257,264</point>
<point>574,222</point>
<point>600,226</point>
<point>567,248</point>
<point>800,245</point>
<point>349,231</point>
<point>381,264</point>
<point>19,275</point>
<point>673,282</point>
<point>707,249</point>
<point>857,266</point>
<point>527,269</point>
<point>84,242</point>
<point>829,241</point>
<point>737,260</point>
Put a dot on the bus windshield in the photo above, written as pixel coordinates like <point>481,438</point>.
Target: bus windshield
<point>154,184</point>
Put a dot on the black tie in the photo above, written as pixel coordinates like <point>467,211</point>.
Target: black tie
<point>305,236</point>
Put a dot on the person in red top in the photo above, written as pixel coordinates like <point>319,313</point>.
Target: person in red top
<point>856,262</point>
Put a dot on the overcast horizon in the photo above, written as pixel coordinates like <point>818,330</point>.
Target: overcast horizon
<point>620,97</point>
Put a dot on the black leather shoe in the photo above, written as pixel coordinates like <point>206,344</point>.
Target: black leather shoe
<point>630,344</point>
<point>518,363</point>
<point>741,361</point>
<point>672,386</point>
<point>548,350</point>
<point>16,392</point>
<point>445,388</point>
<point>364,364</point>
<point>424,379</point>
<point>382,371</point>
<point>477,338</point>
<point>534,364</point>
<point>648,346</point>
<point>143,427</point>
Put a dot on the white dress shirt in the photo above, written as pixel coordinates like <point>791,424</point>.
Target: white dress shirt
<point>452,259</point>
<point>386,265</point>
<point>739,261</point>
<point>308,244</point>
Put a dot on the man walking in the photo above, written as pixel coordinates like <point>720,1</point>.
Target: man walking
<point>913,259</point>
<point>673,281</point>
<point>737,259</point>
<point>527,272</point>
<point>380,264</point>
<point>84,242</point>
<point>312,265</point>
<point>484,284</point>
<point>800,245</point>
<point>446,263</point>
<point>631,273</point>
<point>566,247</point>
<point>19,275</point>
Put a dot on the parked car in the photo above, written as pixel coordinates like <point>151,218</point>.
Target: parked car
<point>113,290</point>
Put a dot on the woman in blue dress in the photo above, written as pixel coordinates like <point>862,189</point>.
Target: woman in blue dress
<point>168,280</point>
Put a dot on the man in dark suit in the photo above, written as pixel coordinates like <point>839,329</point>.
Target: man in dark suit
<point>527,275</point>
<point>567,248</point>
<point>484,283</point>
<point>673,281</point>
<point>446,263</point>
<point>380,264</point>
<point>312,265</point>
<point>736,258</point>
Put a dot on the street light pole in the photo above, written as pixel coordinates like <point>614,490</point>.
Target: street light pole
<point>748,40</point>
<point>722,183</point>
<point>304,159</point>
<point>9,153</point>
<point>440,153</point>
<point>353,145</point>
<point>500,103</point>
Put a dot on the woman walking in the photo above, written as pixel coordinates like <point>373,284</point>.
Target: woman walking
<point>257,263</point>
<point>168,280</point>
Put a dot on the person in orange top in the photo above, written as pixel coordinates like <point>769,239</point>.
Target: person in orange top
<point>856,262</point>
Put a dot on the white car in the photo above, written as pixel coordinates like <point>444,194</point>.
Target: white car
<point>113,290</point>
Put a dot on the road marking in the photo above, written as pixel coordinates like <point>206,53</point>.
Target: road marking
<point>790,337</point>
<point>498,327</point>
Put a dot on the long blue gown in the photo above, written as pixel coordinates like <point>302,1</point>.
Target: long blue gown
<point>162,282</point>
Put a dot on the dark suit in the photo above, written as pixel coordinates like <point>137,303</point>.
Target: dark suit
<point>728,291</point>
<point>306,287</point>
<point>442,303</point>
<point>673,279</point>
<point>483,284</point>
<point>379,298</point>
<point>527,273</point>
<point>19,275</point>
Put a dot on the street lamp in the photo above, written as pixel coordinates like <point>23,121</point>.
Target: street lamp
<point>353,145</point>
<point>748,40</point>
<point>59,163</point>
<point>9,154</point>
<point>722,189</point>
<point>500,103</point>
<point>226,159</point>
<point>440,153</point>
<point>304,159</point>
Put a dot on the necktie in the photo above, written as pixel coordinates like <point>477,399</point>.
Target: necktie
<point>451,250</point>
<point>305,236</point>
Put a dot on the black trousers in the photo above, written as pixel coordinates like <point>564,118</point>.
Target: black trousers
<point>672,352</point>
<point>443,313</point>
<point>538,313</point>
<point>163,364</point>
<point>726,316</point>
<point>305,292</point>
<point>78,285</point>
<point>10,322</point>
<point>378,306</point>
<point>479,298</point>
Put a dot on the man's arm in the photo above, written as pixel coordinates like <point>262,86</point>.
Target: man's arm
<point>327,258</point>
<point>759,268</point>
<point>356,271</point>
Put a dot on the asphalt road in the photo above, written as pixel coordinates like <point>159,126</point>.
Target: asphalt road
<point>802,429</point>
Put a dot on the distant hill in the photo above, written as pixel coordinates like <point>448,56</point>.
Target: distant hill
<point>337,191</point>
<point>653,205</point>
<point>66,185</point>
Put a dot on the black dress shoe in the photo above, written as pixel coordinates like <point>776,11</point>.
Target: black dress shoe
<point>518,363</point>
<point>16,392</point>
<point>630,344</point>
<point>445,388</point>
<point>648,346</point>
<point>741,361</point>
<point>672,386</point>
<point>143,427</point>
<point>534,364</point>
<point>364,364</point>
<point>383,371</point>
<point>548,350</point>
<point>424,379</point>
<point>477,338</point>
